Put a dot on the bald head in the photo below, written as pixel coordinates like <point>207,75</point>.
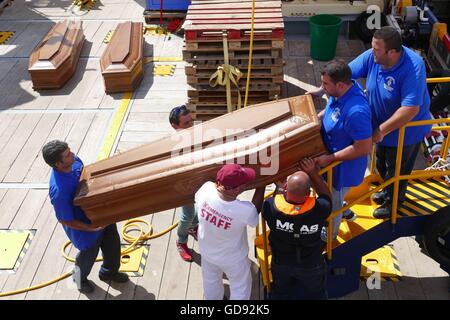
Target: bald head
<point>298,186</point>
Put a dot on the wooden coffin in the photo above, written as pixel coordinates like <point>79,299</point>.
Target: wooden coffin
<point>270,137</point>
<point>54,60</point>
<point>122,62</point>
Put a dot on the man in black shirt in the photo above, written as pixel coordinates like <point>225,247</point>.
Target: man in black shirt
<point>295,218</point>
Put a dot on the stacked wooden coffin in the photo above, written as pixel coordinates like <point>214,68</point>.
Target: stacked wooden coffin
<point>207,22</point>
<point>122,63</point>
<point>270,137</point>
<point>54,60</point>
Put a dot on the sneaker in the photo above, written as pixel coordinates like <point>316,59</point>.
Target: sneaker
<point>193,232</point>
<point>378,197</point>
<point>383,211</point>
<point>184,252</point>
<point>351,216</point>
<point>86,287</point>
<point>119,277</point>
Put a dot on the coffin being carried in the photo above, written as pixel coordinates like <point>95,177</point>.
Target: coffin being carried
<point>55,59</point>
<point>270,137</point>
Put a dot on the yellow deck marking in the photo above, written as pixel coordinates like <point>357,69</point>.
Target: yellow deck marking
<point>11,244</point>
<point>115,126</point>
<point>419,210</point>
<point>436,196</point>
<point>437,186</point>
<point>426,198</point>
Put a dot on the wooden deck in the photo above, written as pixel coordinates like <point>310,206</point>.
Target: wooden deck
<point>81,114</point>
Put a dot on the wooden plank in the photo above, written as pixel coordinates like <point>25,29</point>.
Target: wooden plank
<point>45,226</point>
<point>235,6</point>
<point>97,41</point>
<point>14,146</point>
<point>195,282</point>
<point>30,38</point>
<point>148,286</point>
<point>90,150</point>
<point>31,150</point>
<point>6,66</point>
<point>88,77</point>
<point>9,206</point>
<point>39,171</point>
<point>29,210</point>
<point>433,279</point>
<point>12,44</point>
<point>176,271</point>
<point>410,287</point>
<point>11,88</point>
<point>12,127</point>
<point>89,30</point>
<point>145,126</point>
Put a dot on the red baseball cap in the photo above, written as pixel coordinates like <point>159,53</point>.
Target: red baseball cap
<point>233,175</point>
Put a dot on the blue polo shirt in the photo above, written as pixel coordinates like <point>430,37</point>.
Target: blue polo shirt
<point>403,85</point>
<point>346,120</point>
<point>62,192</point>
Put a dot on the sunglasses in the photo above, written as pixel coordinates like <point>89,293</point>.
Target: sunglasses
<point>179,109</point>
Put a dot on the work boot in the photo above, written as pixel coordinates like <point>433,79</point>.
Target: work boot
<point>351,216</point>
<point>384,211</point>
<point>86,287</point>
<point>378,197</point>
<point>184,252</point>
<point>193,232</point>
<point>118,277</point>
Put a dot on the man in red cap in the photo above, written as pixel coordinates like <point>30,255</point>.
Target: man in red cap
<point>222,234</point>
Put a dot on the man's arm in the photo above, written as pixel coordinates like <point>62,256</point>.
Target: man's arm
<point>358,149</point>
<point>258,198</point>
<point>401,117</point>
<point>317,183</point>
<point>78,225</point>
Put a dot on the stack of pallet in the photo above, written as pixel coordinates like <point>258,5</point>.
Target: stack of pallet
<point>206,23</point>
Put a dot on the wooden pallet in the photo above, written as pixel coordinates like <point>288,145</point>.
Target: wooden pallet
<point>209,20</point>
<point>239,63</point>
<point>222,101</point>
<point>255,79</point>
<point>255,72</point>
<point>222,94</point>
<point>254,87</point>
<point>213,45</point>
<point>243,55</point>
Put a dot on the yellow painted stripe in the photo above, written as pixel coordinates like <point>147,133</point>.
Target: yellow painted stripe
<point>437,197</point>
<point>163,59</point>
<point>419,210</point>
<point>407,212</point>
<point>115,126</point>
<point>427,199</point>
<point>436,185</point>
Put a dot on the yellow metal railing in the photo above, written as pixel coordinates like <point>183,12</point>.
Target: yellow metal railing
<point>396,178</point>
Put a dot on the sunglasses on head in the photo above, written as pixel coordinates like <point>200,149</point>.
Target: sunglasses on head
<point>179,109</point>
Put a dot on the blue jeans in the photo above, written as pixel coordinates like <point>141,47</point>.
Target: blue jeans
<point>386,158</point>
<point>337,201</point>
<point>188,219</point>
<point>109,243</point>
<point>287,278</point>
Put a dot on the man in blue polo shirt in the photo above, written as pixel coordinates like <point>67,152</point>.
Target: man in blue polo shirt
<point>346,131</point>
<point>397,94</point>
<point>89,240</point>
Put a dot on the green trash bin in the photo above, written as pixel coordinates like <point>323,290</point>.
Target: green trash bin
<point>324,31</point>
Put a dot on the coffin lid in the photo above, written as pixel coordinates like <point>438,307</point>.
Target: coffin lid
<point>120,54</point>
<point>57,46</point>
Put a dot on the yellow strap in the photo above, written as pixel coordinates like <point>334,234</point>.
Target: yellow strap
<point>226,73</point>
<point>250,54</point>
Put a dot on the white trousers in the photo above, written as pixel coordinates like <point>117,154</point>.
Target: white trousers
<point>238,273</point>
